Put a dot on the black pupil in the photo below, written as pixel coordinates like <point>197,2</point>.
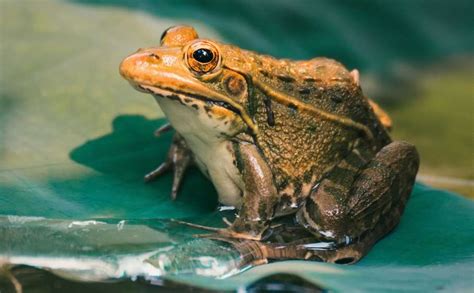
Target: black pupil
<point>203,55</point>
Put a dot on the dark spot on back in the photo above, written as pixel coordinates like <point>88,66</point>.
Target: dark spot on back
<point>292,106</point>
<point>312,128</point>
<point>268,108</point>
<point>336,98</point>
<point>283,183</point>
<point>195,106</point>
<point>305,91</point>
<point>285,78</point>
<point>265,73</point>
<point>310,79</point>
<point>298,187</point>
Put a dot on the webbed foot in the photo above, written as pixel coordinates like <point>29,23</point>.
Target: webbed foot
<point>179,158</point>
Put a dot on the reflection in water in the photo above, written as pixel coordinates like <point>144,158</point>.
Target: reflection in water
<point>93,250</point>
<point>31,279</point>
<point>99,250</point>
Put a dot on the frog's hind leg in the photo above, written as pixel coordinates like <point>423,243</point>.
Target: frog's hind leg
<point>179,159</point>
<point>369,209</point>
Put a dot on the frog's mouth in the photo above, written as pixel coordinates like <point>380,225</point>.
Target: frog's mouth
<point>184,98</point>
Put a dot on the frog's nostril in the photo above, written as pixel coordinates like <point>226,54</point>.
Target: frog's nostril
<point>154,56</point>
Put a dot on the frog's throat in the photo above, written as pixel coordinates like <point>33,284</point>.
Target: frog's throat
<point>209,96</point>
<point>292,102</point>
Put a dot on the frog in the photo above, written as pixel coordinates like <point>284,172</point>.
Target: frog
<point>279,139</point>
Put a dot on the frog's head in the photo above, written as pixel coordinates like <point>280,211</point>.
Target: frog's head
<point>193,72</point>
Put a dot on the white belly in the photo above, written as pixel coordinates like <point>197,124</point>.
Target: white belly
<point>212,151</point>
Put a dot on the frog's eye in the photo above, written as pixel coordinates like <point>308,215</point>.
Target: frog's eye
<point>203,57</point>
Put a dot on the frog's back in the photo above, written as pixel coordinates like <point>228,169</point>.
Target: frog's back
<point>300,146</point>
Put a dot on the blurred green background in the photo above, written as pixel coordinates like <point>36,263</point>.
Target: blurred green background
<point>59,60</point>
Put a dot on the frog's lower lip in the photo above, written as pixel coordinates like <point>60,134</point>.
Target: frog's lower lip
<point>183,96</point>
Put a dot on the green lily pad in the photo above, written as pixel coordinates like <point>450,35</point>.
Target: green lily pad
<point>76,140</point>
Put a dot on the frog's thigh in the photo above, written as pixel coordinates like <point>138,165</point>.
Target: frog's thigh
<point>372,207</point>
<point>324,212</point>
<point>259,195</point>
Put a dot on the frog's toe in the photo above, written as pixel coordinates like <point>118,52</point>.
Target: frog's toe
<point>226,221</point>
<point>231,234</point>
<point>223,234</point>
<point>238,235</point>
<point>157,172</point>
<point>220,232</point>
<point>179,159</point>
<point>162,129</point>
<point>197,226</point>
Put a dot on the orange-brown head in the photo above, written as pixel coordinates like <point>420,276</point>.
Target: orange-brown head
<point>190,70</point>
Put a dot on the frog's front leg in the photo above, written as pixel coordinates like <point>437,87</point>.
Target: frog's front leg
<point>357,210</point>
<point>259,193</point>
<point>179,158</point>
<point>259,197</point>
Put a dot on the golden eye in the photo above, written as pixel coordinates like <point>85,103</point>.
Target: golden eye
<point>202,57</point>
